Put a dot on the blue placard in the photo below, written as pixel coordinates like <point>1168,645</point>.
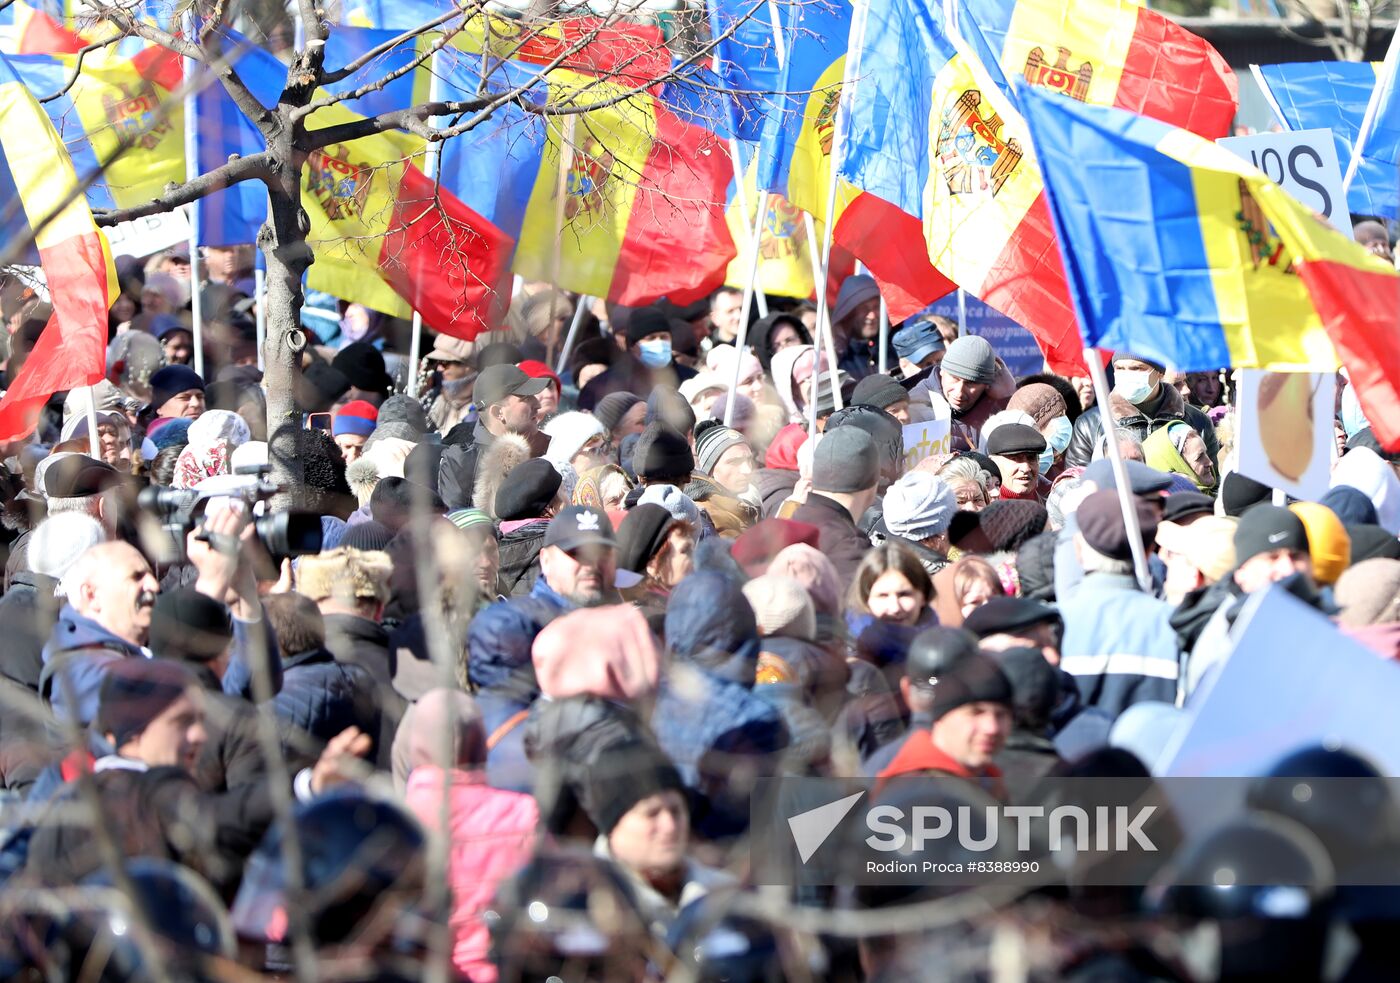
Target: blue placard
<point>1013,343</point>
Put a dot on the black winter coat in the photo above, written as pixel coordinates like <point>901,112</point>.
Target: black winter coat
<point>842,542</point>
<point>231,755</point>
<point>27,615</point>
<point>520,559</point>
<point>157,813</point>
<point>360,642</point>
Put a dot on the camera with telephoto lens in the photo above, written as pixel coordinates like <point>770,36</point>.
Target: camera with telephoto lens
<point>180,510</point>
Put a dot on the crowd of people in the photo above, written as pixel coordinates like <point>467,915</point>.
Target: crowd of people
<point>487,671</point>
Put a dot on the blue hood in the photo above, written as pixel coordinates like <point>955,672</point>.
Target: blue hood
<point>709,623</point>
<point>72,631</point>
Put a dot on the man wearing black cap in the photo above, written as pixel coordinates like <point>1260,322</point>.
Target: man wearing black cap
<point>1016,450</point>
<point>1118,644</point>
<point>1271,547</point>
<point>647,339</point>
<point>1141,404</point>
<point>507,403</point>
<point>78,483</point>
<point>971,712</point>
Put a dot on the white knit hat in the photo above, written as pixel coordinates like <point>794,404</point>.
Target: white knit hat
<point>919,505</point>
<point>568,432</point>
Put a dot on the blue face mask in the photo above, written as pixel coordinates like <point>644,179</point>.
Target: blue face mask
<point>655,354</point>
<point>1353,420</point>
<point>1134,385</point>
<point>1056,439</point>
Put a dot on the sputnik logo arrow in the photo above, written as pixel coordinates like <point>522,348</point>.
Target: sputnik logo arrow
<point>810,829</point>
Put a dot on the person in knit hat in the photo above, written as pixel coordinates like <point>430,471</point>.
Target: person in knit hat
<point>351,427</point>
<point>662,457</point>
<point>966,377</point>
<point>1046,406</point>
<point>725,455</point>
<point>883,392</point>
<point>918,509</point>
<point>971,720</point>
<point>673,500</point>
<point>1119,644</point>
<point>639,805</point>
<point>1328,542</point>
<point>658,548</point>
<point>845,476</point>
<point>177,390</point>
<point>1009,523</point>
<point>621,414</point>
<point>576,439</point>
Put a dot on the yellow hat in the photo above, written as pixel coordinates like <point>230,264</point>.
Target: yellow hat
<point>1328,542</point>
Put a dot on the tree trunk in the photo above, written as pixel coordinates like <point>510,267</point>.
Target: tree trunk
<point>284,247</point>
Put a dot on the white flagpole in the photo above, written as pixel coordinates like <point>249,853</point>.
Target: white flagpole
<point>94,443</point>
<point>745,309</point>
<point>848,80</point>
<point>882,358</point>
<point>192,172</point>
<point>580,309</point>
<point>260,304</point>
<point>1120,475</point>
<point>430,170</point>
<point>1384,80</point>
<point>1269,96</point>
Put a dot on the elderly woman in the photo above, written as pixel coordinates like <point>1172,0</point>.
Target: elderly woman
<point>605,487</point>
<point>969,482</point>
<point>1178,449</point>
<point>439,761</point>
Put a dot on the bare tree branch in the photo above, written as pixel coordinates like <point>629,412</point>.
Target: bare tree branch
<point>411,119</point>
<point>258,166</point>
<point>77,68</point>
<point>340,74</point>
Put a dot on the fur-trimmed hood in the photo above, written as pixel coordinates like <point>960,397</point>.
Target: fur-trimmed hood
<point>494,462</point>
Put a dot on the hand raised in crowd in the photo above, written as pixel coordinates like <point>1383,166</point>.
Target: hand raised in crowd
<point>342,760</point>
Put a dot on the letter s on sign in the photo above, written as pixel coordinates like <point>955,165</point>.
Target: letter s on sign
<point>886,832</point>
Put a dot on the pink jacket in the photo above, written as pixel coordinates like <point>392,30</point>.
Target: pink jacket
<point>492,833</point>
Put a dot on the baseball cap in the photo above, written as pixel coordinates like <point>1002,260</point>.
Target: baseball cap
<point>578,526</point>
<point>496,382</point>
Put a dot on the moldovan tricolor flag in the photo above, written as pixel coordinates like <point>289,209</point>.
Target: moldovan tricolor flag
<point>27,31</point>
<point>44,220</point>
<point>1177,249</point>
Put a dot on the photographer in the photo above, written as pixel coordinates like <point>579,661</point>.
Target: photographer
<point>111,592</point>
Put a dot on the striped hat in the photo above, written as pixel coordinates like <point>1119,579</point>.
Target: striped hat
<point>712,439</point>
<point>355,417</point>
<point>471,519</point>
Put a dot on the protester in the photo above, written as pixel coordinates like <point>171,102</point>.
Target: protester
<point>845,475</point>
<point>1141,404</point>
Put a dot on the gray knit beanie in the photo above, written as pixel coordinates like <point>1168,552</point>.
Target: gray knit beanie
<point>971,358</point>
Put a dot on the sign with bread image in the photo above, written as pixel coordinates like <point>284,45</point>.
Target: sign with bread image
<point>1285,430</point>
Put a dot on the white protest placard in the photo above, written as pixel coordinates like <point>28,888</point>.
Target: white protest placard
<point>1303,163</point>
<point>144,236</point>
<point>926,439</point>
<point>1284,423</point>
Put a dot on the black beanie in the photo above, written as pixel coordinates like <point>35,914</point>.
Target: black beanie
<point>624,775</point>
<point>645,321</point>
<point>368,535</point>
<point>527,491</point>
<point>135,691</point>
<point>1238,493</point>
<point>188,626</point>
<point>640,536</point>
<point>976,679</point>
<point>662,453</point>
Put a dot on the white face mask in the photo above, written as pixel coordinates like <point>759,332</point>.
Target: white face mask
<point>1134,385</point>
